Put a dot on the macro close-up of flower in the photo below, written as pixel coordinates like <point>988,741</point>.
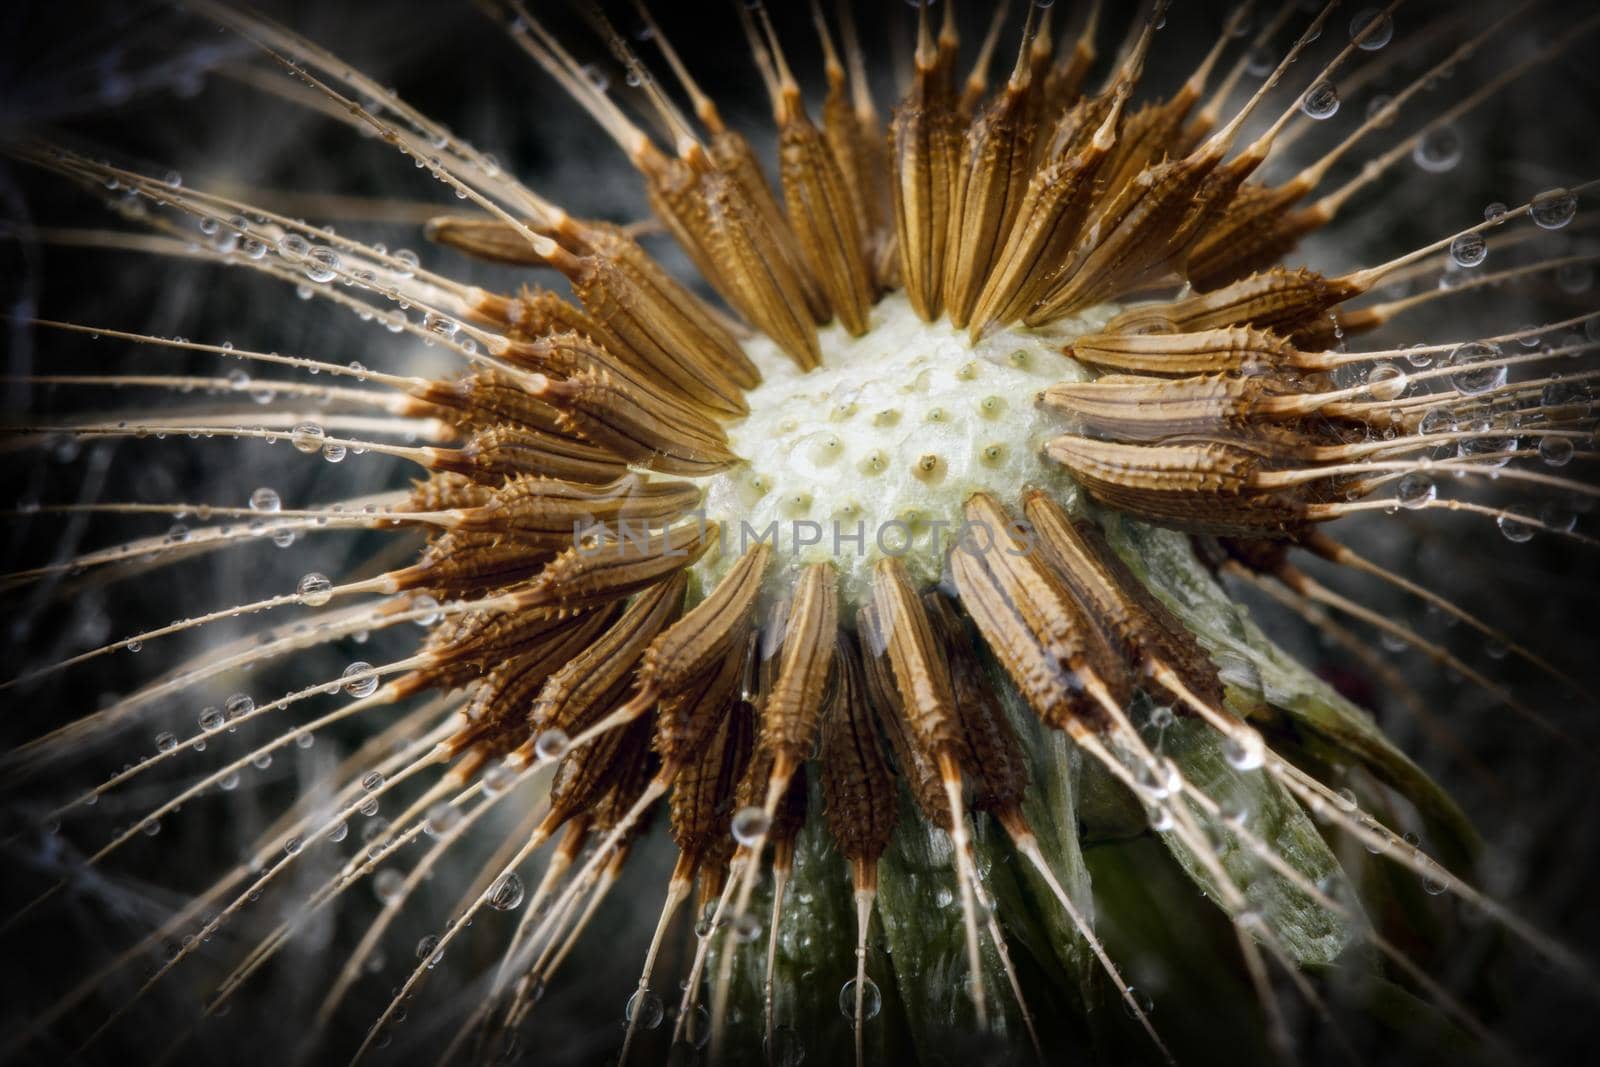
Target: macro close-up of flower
<point>877,532</point>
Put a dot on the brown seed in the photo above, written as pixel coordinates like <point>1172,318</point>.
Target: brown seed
<point>793,705</point>
<point>611,569</point>
<point>487,398</point>
<point>1144,630</point>
<point>460,563</point>
<point>553,514</point>
<point>925,140</point>
<point>920,771</point>
<point>584,688</point>
<point>1205,486</point>
<point>603,410</point>
<point>1278,299</point>
<point>703,792</point>
<point>689,716</point>
<point>921,676</point>
<point>862,802</point>
<point>1033,623</point>
<point>712,628</point>
<point>497,711</point>
<point>994,765</point>
<point>496,453</point>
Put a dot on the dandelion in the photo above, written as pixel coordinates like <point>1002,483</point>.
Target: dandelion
<point>875,559</point>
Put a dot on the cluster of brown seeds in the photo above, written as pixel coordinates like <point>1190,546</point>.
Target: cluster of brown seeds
<point>1214,408</point>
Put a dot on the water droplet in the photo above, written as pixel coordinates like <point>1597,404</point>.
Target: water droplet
<point>1386,382</point>
<point>294,845</point>
<point>552,744</point>
<point>211,719</point>
<point>1469,249</point>
<point>1416,491</point>
<point>265,500</point>
<point>1438,150</point>
<point>750,824</point>
<point>1555,451</point>
<point>407,262</point>
<point>372,781</point>
<point>177,533</point>
<point>498,779</point>
<point>507,892</point>
<point>334,452</point>
<point>339,833</point>
<point>1377,25</point>
<point>363,686</point>
<point>428,949</point>
<point>237,705</point>
<point>1515,526</point>
<point>166,742</point>
<point>307,437</point>
<point>322,265</point>
<point>1137,1002</point>
<point>1495,212</point>
<point>1432,886</point>
<point>293,246</point>
<point>1476,372</point>
<point>596,77</point>
<point>315,589</point>
<point>134,646</point>
<point>871,999</point>
<point>1245,752</point>
<point>644,1010</point>
<point>1553,208</point>
<point>1321,101</point>
<point>429,607</point>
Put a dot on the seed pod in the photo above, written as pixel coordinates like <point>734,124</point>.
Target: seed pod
<point>1256,231</point>
<point>862,802</point>
<point>714,627</point>
<point>496,453</point>
<point>793,704</point>
<point>574,696</point>
<point>1167,353</point>
<point>474,643</point>
<point>552,514</point>
<point>920,674</point>
<point>997,770</point>
<point>925,139</point>
<point>651,310</point>
<point>611,569</point>
<point>444,492</point>
<point>563,355</point>
<point>703,791</point>
<point>601,409</point>
<point>765,288</point>
<point>1205,486</point>
<point>990,190</point>
<point>820,214</point>
<point>1136,408</point>
<point>690,715</point>
<point>497,713</point>
<point>1279,299</point>
<point>461,563</point>
<point>1048,224</point>
<point>586,774</point>
<point>489,398</point>
<point>1034,624</point>
<point>635,767</point>
<point>917,768</point>
<point>537,312</point>
<point>1143,628</point>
